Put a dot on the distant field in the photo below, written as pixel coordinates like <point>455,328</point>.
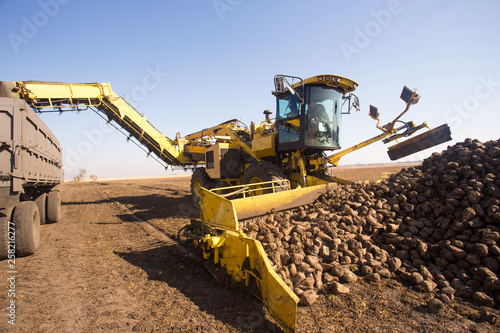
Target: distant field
<point>367,172</point>
<point>352,173</point>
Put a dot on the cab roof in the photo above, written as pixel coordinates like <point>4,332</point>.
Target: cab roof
<point>330,80</point>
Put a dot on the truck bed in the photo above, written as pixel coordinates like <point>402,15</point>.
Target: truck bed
<point>30,155</point>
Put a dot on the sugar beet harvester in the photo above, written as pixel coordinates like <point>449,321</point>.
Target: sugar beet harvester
<point>291,146</point>
<point>277,164</point>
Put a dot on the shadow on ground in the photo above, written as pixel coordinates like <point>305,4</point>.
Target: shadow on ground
<point>231,304</point>
<point>151,206</point>
<point>156,206</point>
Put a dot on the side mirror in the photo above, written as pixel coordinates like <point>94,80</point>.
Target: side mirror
<point>282,86</point>
<point>279,85</point>
<point>354,104</point>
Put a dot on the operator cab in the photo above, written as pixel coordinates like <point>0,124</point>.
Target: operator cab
<point>309,111</point>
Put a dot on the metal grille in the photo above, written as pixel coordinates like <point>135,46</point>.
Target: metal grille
<point>230,163</point>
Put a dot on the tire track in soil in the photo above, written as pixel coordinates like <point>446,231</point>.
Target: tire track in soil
<point>97,270</point>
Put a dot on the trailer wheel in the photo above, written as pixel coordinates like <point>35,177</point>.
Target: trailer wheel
<point>53,206</point>
<point>41,202</point>
<point>5,215</point>
<point>264,172</point>
<point>199,179</point>
<point>26,219</point>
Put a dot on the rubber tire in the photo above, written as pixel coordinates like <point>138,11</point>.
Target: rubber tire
<point>53,206</point>
<point>200,178</point>
<point>264,171</point>
<point>41,202</point>
<point>26,220</point>
<point>5,215</point>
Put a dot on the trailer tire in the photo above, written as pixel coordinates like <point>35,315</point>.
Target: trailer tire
<point>41,202</point>
<point>264,171</point>
<point>53,206</point>
<point>5,215</point>
<point>199,179</point>
<point>26,219</point>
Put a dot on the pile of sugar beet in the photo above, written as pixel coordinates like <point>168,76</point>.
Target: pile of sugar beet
<point>435,227</point>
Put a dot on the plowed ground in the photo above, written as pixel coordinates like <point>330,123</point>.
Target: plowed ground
<point>99,270</point>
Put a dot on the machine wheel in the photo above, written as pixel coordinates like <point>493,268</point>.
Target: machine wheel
<point>199,179</point>
<point>53,206</point>
<point>26,219</point>
<point>5,215</point>
<point>264,172</point>
<point>41,202</point>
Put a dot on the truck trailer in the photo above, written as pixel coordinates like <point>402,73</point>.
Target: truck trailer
<point>30,175</point>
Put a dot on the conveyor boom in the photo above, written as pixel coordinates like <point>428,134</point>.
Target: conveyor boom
<point>77,96</point>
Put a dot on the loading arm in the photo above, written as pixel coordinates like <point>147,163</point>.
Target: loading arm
<point>420,142</point>
<point>60,97</point>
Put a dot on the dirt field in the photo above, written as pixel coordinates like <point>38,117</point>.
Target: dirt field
<point>99,270</point>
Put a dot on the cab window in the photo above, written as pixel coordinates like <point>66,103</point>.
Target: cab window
<point>323,111</point>
<point>289,107</point>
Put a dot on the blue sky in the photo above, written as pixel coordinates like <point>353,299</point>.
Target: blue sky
<point>205,62</point>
